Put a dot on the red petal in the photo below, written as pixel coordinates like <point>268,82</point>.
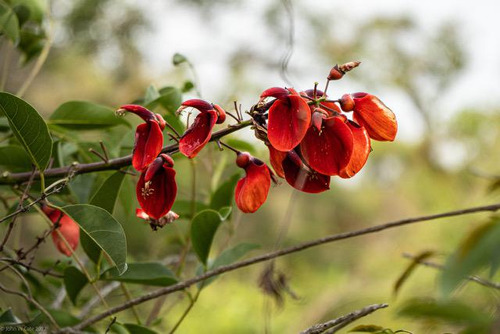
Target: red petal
<point>201,105</point>
<point>302,178</point>
<point>371,113</point>
<point>276,158</point>
<point>328,151</point>
<point>70,231</point>
<point>360,152</point>
<point>276,92</point>
<point>198,134</point>
<point>251,191</point>
<point>289,119</point>
<point>157,196</point>
<point>148,144</point>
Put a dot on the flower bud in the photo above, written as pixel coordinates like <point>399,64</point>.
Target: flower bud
<point>335,73</point>
<point>347,102</point>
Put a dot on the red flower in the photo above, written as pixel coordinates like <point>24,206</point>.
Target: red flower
<point>328,144</point>
<point>156,189</point>
<point>302,178</point>
<point>289,118</point>
<point>200,132</point>
<point>371,113</point>
<point>66,226</point>
<point>251,191</point>
<point>148,136</point>
<point>360,152</point>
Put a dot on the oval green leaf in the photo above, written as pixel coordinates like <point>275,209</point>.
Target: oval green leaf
<point>74,282</point>
<point>100,226</point>
<point>28,127</point>
<point>14,158</point>
<point>153,273</point>
<point>82,115</point>
<point>203,228</point>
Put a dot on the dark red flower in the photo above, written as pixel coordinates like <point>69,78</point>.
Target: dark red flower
<point>378,120</point>
<point>156,189</point>
<point>360,152</point>
<point>148,136</point>
<point>200,132</point>
<point>302,178</point>
<point>67,227</point>
<point>251,191</point>
<point>289,118</point>
<point>328,144</point>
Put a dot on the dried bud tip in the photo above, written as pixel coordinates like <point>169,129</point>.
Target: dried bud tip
<point>344,68</point>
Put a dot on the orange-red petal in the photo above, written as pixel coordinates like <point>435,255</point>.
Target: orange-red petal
<point>198,134</point>
<point>251,191</point>
<point>360,152</point>
<point>276,158</point>
<point>289,118</point>
<point>157,195</point>
<point>302,178</point>
<point>371,113</point>
<point>328,151</point>
<point>148,144</point>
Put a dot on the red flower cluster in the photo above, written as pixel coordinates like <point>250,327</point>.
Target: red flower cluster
<point>66,226</point>
<point>311,139</point>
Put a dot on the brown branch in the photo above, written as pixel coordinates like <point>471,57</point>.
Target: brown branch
<point>334,325</point>
<point>476,279</point>
<point>117,163</point>
<point>44,272</point>
<point>265,257</point>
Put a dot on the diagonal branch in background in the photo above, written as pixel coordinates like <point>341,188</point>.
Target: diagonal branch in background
<point>334,325</point>
<point>117,163</point>
<point>476,279</point>
<point>265,257</point>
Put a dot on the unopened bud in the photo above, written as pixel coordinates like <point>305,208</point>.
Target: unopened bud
<point>335,73</point>
<point>347,102</point>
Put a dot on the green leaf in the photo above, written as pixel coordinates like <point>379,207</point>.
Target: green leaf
<point>9,25</point>
<point>480,249</point>
<point>105,197</point>
<point>14,158</point>
<point>241,145</point>
<point>184,208</point>
<point>82,115</point>
<point>178,59</point>
<point>103,229</point>
<point>118,328</point>
<point>224,195</point>
<point>411,267</point>
<point>225,212</point>
<point>170,100</point>
<point>8,317</point>
<point>151,94</point>
<point>203,228</point>
<point>451,311</point>
<point>137,329</point>
<point>153,273</point>
<point>37,8</point>
<point>29,128</point>
<point>74,282</point>
<point>187,86</point>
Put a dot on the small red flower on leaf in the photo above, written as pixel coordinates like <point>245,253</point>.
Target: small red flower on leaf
<point>289,118</point>
<point>328,144</point>
<point>251,191</point>
<point>67,227</point>
<point>302,178</point>
<point>156,188</point>
<point>200,132</point>
<point>371,113</point>
<point>148,136</point>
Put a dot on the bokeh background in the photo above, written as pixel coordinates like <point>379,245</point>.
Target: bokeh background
<point>436,64</point>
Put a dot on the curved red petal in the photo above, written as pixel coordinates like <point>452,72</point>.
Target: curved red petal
<point>198,134</point>
<point>289,119</point>
<point>371,113</point>
<point>301,178</point>
<point>148,144</point>
<point>276,92</point>
<point>71,233</point>
<point>251,191</point>
<point>276,158</point>
<point>199,104</point>
<point>328,151</point>
<point>360,152</point>
<point>157,196</point>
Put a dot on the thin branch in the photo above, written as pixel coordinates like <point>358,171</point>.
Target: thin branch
<point>476,279</point>
<point>334,325</point>
<point>117,163</point>
<point>265,257</point>
<point>44,272</point>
